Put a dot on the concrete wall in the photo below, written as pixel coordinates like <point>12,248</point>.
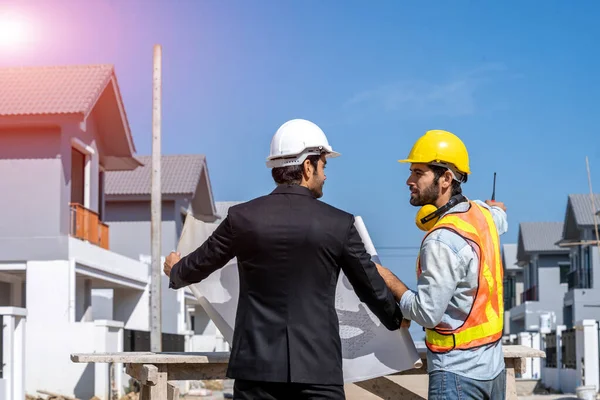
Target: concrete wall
<point>102,304</point>
<point>551,291</point>
<point>129,224</point>
<point>51,336</point>
<point>133,308</point>
<point>526,316</point>
<point>31,166</point>
<point>585,303</point>
<point>53,332</point>
<point>35,182</point>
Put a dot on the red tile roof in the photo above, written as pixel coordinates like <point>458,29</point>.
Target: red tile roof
<point>52,90</point>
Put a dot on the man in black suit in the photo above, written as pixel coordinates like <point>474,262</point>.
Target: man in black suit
<point>289,248</point>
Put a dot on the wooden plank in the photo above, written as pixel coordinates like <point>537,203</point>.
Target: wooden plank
<point>386,389</point>
<point>511,382</point>
<point>512,351</point>
<point>159,391</point>
<point>519,351</point>
<point>144,392</point>
<point>147,374</point>
<point>172,391</point>
<point>153,358</point>
<point>194,372</point>
<point>520,365</point>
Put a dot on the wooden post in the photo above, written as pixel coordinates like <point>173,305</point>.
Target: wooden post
<point>156,200</point>
<point>594,211</point>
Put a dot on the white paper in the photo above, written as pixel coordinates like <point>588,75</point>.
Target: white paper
<point>369,349</point>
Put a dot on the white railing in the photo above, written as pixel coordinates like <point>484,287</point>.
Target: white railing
<point>12,382</point>
<point>576,358</point>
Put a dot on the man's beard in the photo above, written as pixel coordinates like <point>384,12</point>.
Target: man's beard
<point>318,190</point>
<point>428,196</point>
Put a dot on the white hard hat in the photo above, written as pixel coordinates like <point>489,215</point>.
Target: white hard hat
<point>294,141</point>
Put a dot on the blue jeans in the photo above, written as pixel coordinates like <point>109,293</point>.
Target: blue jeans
<point>448,386</point>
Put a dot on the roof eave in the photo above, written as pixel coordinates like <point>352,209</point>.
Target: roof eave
<point>121,106</point>
<point>114,163</point>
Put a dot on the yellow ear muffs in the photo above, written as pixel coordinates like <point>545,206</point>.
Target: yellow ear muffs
<point>424,212</point>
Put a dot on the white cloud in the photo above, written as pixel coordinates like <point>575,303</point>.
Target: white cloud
<point>419,98</point>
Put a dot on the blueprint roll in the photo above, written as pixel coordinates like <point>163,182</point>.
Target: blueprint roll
<point>369,350</point>
<point>364,235</point>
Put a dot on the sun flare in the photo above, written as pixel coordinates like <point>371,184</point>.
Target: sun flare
<point>13,31</point>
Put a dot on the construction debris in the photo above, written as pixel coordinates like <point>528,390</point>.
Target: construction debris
<point>51,396</point>
<point>131,396</point>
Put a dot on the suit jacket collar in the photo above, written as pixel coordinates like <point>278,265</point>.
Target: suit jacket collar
<point>293,189</point>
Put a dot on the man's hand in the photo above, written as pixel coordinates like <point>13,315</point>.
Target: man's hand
<point>405,323</point>
<point>493,203</point>
<point>397,287</point>
<point>171,260</point>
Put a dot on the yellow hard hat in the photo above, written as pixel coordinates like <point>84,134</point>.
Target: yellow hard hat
<point>437,146</point>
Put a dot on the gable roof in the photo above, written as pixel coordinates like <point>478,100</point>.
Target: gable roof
<point>582,208</point>
<point>509,257</point>
<point>52,90</point>
<point>579,214</point>
<point>539,237</point>
<point>179,175</point>
<point>185,174</point>
<point>42,94</point>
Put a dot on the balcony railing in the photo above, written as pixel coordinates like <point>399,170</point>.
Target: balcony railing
<point>530,294</point>
<point>86,225</point>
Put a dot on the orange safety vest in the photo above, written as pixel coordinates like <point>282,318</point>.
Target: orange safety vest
<point>485,321</point>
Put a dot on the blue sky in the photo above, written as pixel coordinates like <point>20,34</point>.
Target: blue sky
<point>517,81</point>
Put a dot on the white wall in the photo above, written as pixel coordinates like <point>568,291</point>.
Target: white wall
<point>51,336</point>
<point>108,262</point>
<point>52,333</point>
<point>102,304</point>
<point>568,380</point>
<point>171,307</point>
<point>551,377</point>
<point>133,308</point>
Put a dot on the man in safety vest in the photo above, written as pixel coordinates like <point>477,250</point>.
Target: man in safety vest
<point>459,294</point>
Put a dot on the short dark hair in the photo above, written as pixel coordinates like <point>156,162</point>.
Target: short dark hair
<point>292,175</point>
<point>438,171</point>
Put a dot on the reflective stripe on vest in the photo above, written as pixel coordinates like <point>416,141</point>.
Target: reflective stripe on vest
<point>485,321</point>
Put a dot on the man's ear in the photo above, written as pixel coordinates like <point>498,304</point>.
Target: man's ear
<point>307,168</point>
<point>448,179</point>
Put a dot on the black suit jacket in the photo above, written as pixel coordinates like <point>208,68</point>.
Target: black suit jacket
<point>289,248</point>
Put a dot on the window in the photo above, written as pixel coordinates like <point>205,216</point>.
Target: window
<point>564,272</point>
<point>509,292</point>
<point>77,176</point>
<point>587,266</point>
<point>101,194</point>
<point>81,156</point>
